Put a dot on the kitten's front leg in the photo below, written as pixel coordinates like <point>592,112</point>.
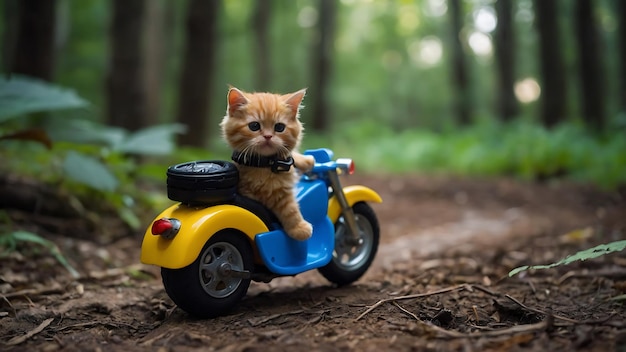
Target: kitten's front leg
<point>288,213</point>
<point>303,162</point>
<point>301,231</point>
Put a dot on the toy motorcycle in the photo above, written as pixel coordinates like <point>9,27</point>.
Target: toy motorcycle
<point>213,242</point>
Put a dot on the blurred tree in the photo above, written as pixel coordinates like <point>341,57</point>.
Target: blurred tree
<point>125,84</point>
<point>621,38</point>
<point>553,93</point>
<point>590,66</point>
<point>459,66</point>
<point>260,27</point>
<point>30,37</point>
<point>504,42</point>
<point>322,60</point>
<point>158,29</point>
<point>197,71</point>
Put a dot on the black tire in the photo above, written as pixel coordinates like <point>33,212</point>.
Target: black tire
<point>351,261</point>
<point>202,182</point>
<point>201,290</point>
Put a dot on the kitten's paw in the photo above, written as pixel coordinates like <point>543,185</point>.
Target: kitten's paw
<point>303,162</point>
<point>308,161</point>
<point>301,232</point>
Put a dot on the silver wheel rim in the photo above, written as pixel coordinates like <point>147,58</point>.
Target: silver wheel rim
<point>215,262</point>
<point>349,255</point>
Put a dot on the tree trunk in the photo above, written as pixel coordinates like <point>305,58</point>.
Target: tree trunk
<point>125,88</point>
<point>33,47</point>
<point>551,63</point>
<point>322,65</point>
<point>459,66</point>
<point>621,35</point>
<point>195,81</point>
<point>505,54</point>
<point>158,37</point>
<point>591,77</point>
<point>260,28</point>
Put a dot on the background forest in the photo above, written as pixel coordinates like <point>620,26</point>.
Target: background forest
<point>534,89</point>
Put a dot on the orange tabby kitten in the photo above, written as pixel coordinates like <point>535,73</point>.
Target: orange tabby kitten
<point>264,131</point>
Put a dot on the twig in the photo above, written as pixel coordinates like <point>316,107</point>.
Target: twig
<point>560,317</point>
<point>148,342</point>
<point>94,323</point>
<point>612,273</point>
<point>406,311</point>
<point>19,339</point>
<point>516,329</point>
<point>534,310</point>
<point>417,295</point>
<point>485,290</point>
<point>257,322</point>
<point>30,291</point>
<point>10,305</point>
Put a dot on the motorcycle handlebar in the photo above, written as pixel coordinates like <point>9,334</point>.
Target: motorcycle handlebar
<point>324,162</point>
<point>344,165</point>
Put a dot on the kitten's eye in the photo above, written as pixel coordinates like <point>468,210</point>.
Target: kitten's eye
<point>254,126</point>
<point>279,127</point>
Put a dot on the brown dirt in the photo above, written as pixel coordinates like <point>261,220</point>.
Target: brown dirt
<point>439,282</point>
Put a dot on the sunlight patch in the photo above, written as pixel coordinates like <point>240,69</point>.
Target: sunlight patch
<point>480,43</point>
<point>426,52</point>
<point>527,90</point>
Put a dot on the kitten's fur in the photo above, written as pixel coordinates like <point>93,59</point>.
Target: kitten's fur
<point>274,190</point>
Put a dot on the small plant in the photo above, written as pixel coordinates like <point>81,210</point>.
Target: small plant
<point>10,238</point>
<point>590,253</point>
<point>521,149</point>
<point>95,165</point>
<point>82,156</point>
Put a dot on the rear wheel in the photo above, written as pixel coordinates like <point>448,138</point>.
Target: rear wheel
<point>207,288</point>
<point>352,258</point>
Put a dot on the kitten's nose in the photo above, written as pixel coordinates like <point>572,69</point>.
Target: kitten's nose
<point>268,137</point>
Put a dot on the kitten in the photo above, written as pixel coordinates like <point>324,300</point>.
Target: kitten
<point>264,131</point>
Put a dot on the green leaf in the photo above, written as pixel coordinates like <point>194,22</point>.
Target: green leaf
<point>85,132</point>
<point>21,95</point>
<point>154,140</point>
<point>25,236</point>
<point>618,298</point>
<point>129,217</point>
<point>582,255</point>
<point>89,171</point>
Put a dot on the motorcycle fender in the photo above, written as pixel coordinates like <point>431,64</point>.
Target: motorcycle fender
<point>354,194</point>
<point>197,227</point>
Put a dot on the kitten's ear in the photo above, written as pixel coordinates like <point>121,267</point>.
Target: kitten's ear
<point>236,99</point>
<point>294,100</point>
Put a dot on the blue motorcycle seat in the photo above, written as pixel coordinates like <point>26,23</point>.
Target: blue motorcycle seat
<point>285,256</point>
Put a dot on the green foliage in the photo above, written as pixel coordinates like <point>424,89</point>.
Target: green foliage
<point>521,149</point>
<point>25,236</point>
<point>9,240</point>
<point>89,171</point>
<point>20,95</point>
<point>86,158</point>
<point>590,253</point>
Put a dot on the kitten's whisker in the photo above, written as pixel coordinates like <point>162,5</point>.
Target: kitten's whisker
<point>246,151</point>
<point>283,152</point>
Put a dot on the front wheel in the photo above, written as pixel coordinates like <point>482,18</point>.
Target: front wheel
<point>352,257</point>
<point>205,288</point>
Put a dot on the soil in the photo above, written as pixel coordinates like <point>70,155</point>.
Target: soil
<point>439,282</point>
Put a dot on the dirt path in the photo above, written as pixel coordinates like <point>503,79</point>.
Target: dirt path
<point>438,283</point>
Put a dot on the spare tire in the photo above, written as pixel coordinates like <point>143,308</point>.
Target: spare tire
<point>202,182</point>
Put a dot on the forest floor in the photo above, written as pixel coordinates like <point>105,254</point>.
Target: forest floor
<point>439,282</point>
